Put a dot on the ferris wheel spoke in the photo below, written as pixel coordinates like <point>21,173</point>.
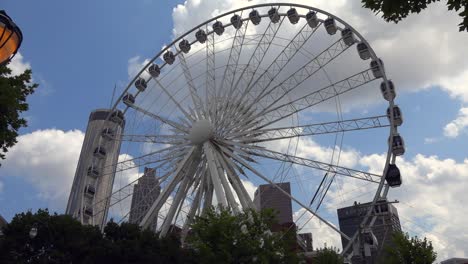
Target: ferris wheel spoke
<point>193,209</point>
<point>247,73</point>
<point>259,86</point>
<point>214,173</point>
<point>340,170</point>
<point>196,100</point>
<point>272,134</point>
<point>229,74</point>
<point>186,114</point>
<point>245,164</point>
<point>239,188</point>
<point>169,188</point>
<point>164,120</point>
<point>156,139</point>
<point>210,92</point>
<point>152,157</point>
<point>285,87</point>
<point>287,109</point>
<point>176,202</point>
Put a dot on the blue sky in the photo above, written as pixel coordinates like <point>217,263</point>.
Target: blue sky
<point>79,50</point>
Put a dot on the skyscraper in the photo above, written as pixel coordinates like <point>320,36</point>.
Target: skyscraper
<point>145,192</point>
<point>268,196</point>
<point>386,223</point>
<point>94,177</point>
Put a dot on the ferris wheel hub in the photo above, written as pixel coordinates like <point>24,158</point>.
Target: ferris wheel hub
<point>201,131</point>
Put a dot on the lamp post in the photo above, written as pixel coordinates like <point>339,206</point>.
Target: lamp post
<point>10,38</point>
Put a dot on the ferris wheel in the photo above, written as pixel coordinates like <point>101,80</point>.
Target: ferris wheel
<point>240,98</point>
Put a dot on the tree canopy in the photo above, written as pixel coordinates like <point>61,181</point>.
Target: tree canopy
<point>409,250</point>
<point>397,10</point>
<point>219,236</point>
<point>328,256</point>
<point>13,93</point>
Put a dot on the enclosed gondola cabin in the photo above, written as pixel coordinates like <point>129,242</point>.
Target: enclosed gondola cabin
<point>169,57</point>
<point>274,15</point>
<point>393,177</point>
<point>312,19</point>
<point>201,36</point>
<point>397,115</point>
<point>154,71</point>
<point>363,50</point>
<point>330,26</point>
<point>128,99</point>
<point>255,17</point>
<point>184,46</point>
<point>293,16</point>
<point>236,21</point>
<point>218,28</point>
<point>348,36</point>
<point>388,90</point>
<point>377,70</point>
<point>140,84</point>
<point>398,145</point>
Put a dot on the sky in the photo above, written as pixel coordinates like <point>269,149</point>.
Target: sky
<point>79,51</point>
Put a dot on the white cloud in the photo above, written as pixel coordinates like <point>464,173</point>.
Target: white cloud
<point>18,65</point>
<point>46,159</point>
<point>455,127</point>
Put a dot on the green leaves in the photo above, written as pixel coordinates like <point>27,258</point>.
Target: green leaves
<point>219,236</point>
<point>13,93</point>
<point>397,10</point>
<point>410,250</point>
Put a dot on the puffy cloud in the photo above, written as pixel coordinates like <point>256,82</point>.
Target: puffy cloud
<point>47,159</point>
<point>456,126</point>
<point>18,65</point>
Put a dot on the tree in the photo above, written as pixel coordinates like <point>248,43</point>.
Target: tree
<point>62,239</point>
<point>328,256</point>
<point>13,93</point>
<point>410,250</point>
<point>219,236</point>
<point>396,10</point>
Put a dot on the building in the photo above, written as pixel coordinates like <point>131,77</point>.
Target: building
<point>455,261</point>
<point>94,177</point>
<point>268,196</point>
<point>145,192</point>
<point>386,223</point>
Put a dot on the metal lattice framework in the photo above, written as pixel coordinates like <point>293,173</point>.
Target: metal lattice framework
<point>237,92</point>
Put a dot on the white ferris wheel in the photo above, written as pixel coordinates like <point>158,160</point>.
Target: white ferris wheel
<point>235,98</point>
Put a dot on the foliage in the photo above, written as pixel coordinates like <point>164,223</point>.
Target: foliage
<point>62,239</point>
<point>219,236</point>
<point>410,250</point>
<point>13,93</point>
<point>396,10</point>
<point>328,256</point>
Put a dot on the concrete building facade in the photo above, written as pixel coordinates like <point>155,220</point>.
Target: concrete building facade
<point>386,223</point>
<point>268,196</point>
<point>94,177</point>
<point>145,192</point>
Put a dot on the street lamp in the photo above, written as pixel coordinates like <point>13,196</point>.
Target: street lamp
<point>10,38</point>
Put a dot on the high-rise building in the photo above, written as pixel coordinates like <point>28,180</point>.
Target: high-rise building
<point>386,223</point>
<point>94,177</point>
<point>268,196</point>
<point>145,192</point>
